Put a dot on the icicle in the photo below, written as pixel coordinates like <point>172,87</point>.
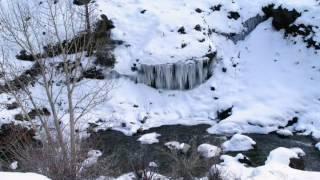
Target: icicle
<point>180,75</point>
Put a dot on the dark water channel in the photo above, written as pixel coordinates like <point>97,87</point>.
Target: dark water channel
<point>127,151</point>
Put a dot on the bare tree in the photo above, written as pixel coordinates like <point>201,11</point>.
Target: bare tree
<point>53,95</point>
<point>87,12</point>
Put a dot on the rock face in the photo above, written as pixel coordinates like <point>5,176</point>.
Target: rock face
<point>180,75</point>
<point>282,17</point>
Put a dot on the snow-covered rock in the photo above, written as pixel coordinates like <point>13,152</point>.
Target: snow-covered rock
<point>21,176</point>
<point>14,165</point>
<point>150,138</point>
<point>208,150</point>
<point>284,132</point>
<point>283,155</point>
<point>175,145</point>
<point>318,146</point>
<point>238,142</point>
<point>93,156</point>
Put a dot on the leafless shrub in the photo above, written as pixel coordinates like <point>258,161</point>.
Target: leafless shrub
<point>189,166</point>
<point>143,168</point>
<point>214,173</point>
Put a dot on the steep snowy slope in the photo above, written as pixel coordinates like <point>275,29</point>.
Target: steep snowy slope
<point>267,79</point>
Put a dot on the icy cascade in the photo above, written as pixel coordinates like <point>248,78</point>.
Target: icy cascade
<point>249,26</point>
<point>180,75</point>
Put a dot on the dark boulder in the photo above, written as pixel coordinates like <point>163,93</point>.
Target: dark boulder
<point>81,2</point>
<point>23,55</point>
<point>12,106</point>
<point>293,121</point>
<point>216,7</point>
<point>245,160</point>
<point>224,114</point>
<point>93,73</point>
<point>282,17</point>
<point>198,10</point>
<point>234,15</point>
<point>197,27</point>
<point>182,30</point>
<point>297,163</point>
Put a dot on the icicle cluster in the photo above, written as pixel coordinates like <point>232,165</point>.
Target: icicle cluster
<point>180,75</point>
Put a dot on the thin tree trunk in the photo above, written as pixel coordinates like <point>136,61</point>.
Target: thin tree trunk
<point>87,14</point>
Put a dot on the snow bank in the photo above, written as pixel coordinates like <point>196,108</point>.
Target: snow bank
<point>318,146</point>
<point>275,168</point>
<point>21,176</point>
<point>238,142</point>
<point>284,132</point>
<point>150,138</point>
<point>283,155</point>
<point>208,150</point>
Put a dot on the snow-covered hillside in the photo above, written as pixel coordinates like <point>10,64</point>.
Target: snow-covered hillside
<point>267,79</point>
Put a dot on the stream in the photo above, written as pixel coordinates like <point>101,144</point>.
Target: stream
<point>125,149</point>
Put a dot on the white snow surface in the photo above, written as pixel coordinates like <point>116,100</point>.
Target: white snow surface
<point>21,176</point>
<point>276,167</point>
<point>208,150</point>
<point>238,142</point>
<point>149,138</point>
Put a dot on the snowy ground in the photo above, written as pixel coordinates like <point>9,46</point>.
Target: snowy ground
<point>21,176</point>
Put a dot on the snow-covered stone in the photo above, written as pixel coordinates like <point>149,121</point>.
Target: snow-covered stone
<point>14,165</point>
<point>238,142</point>
<point>153,164</point>
<point>284,132</point>
<point>175,145</point>
<point>93,156</point>
<point>208,150</point>
<point>283,155</point>
<point>318,146</point>
<point>150,138</point>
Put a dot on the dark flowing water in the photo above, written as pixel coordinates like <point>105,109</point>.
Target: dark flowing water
<point>126,149</point>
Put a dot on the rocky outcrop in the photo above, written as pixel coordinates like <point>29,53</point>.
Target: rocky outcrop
<point>285,19</point>
<point>282,17</point>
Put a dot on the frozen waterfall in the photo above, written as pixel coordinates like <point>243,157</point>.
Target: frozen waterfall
<point>179,75</point>
<point>249,26</point>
